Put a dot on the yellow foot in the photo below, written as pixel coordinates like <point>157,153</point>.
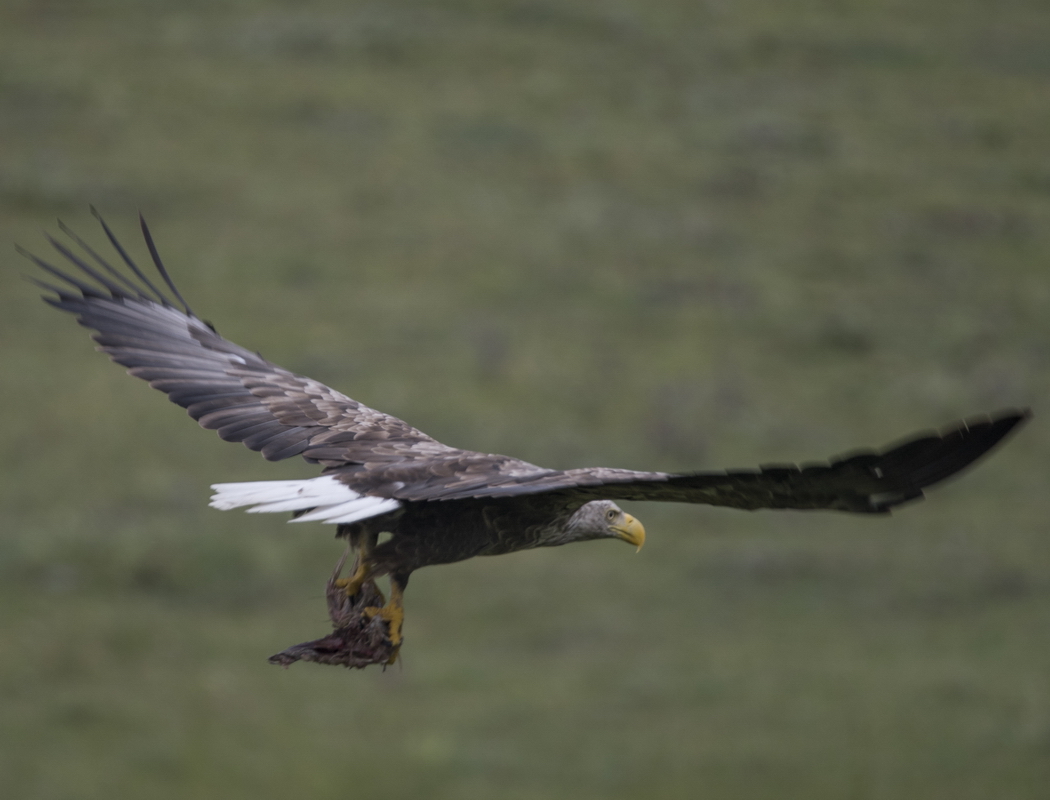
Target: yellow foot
<point>349,585</point>
<point>353,584</point>
<point>393,615</point>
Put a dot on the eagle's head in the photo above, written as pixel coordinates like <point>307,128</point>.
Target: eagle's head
<point>603,519</point>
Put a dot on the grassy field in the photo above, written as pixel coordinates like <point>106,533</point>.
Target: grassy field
<point>658,235</point>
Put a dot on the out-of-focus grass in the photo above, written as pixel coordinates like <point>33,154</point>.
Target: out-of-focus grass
<point>655,235</point>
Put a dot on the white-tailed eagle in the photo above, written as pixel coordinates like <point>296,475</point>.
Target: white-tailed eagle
<point>439,504</point>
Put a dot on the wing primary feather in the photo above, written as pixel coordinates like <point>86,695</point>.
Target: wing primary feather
<point>58,302</point>
<point>127,259</point>
<point>105,264</point>
<point>160,265</point>
<point>85,289</point>
<point>113,288</point>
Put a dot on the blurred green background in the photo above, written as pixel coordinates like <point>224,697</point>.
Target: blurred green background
<point>637,233</point>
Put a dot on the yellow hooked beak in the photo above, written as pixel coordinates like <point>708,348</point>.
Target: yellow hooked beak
<point>631,531</point>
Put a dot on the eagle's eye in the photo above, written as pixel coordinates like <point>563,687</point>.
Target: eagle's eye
<point>611,514</point>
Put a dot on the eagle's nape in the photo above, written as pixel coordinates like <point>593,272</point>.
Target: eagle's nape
<point>441,503</point>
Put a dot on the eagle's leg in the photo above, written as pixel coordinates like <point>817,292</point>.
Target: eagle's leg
<point>362,566</point>
<point>393,612</point>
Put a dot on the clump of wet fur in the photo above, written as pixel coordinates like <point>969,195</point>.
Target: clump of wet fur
<point>359,639</point>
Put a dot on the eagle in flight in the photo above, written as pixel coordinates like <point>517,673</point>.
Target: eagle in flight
<point>438,504</point>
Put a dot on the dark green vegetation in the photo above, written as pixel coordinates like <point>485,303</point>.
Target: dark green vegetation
<point>658,235</point>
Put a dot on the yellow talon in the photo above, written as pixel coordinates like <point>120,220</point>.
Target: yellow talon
<point>393,613</point>
<point>353,584</point>
<point>393,616</point>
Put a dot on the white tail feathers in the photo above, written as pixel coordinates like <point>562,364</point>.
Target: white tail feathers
<point>331,500</point>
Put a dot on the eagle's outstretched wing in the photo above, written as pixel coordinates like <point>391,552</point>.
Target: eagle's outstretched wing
<point>864,481</point>
<point>246,398</point>
<point>226,388</point>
